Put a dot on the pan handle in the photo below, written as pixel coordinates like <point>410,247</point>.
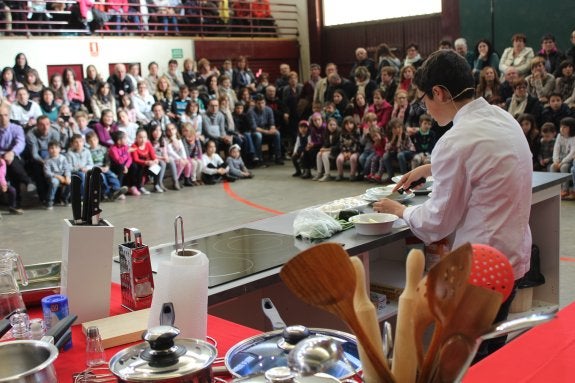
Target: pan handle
<point>272,313</point>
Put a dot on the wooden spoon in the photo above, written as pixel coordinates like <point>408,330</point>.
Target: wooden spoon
<point>446,283</point>
<point>404,364</point>
<point>367,314</point>
<point>323,276</point>
<point>471,318</point>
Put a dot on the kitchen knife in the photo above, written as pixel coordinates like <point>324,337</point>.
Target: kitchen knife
<point>94,196</point>
<point>77,198</point>
<point>418,182</point>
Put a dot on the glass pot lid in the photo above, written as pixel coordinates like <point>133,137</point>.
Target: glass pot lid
<point>260,353</point>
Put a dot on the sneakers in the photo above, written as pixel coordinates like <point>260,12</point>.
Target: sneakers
<point>134,191</point>
<point>117,193</point>
<point>49,205</point>
<point>317,177</point>
<point>188,182</point>
<point>156,189</point>
<point>325,178</point>
<point>339,178</point>
<point>297,174</point>
<point>144,191</point>
<point>15,210</point>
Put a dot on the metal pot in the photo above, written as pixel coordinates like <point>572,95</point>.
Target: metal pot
<point>164,359</point>
<point>260,353</point>
<point>31,361</point>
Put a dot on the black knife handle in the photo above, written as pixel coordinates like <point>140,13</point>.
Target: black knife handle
<point>86,204</point>
<point>76,198</point>
<point>59,329</point>
<point>415,183</point>
<point>95,197</point>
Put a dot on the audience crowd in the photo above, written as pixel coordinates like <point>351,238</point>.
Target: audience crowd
<point>157,17</point>
<point>202,125</point>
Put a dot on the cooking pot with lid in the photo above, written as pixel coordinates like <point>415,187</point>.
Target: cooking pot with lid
<point>165,359</point>
<point>260,353</point>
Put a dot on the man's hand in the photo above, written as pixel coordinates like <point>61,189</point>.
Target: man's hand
<point>386,205</point>
<point>422,171</point>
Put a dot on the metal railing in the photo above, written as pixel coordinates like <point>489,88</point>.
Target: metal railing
<point>243,18</point>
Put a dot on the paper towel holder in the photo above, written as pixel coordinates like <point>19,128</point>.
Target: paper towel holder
<point>179,219</point>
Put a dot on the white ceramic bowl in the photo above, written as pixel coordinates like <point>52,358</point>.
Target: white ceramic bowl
<point>380,191</point>
<point>373,223</point>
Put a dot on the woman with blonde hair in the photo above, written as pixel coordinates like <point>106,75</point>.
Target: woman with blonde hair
<point>164,95</point>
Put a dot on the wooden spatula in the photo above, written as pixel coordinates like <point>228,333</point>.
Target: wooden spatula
<point>404,364</point>
<point>323,276</point>
<point>471,318</point>
<point>446,282</point>
<point>367,315</point>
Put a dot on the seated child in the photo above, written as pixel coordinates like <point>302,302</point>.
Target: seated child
<point>399,147</point>
<point>366,141</point>
<point>564,152</point>
<point>376,164</point>
<point>556,110</point>
<point>547,143</point>
<point>234,161</point>
<point>82,122</point>
<point>348,149</point>
<point>214,169</point>
<point>8,189</point>
<point>328,151</point>
<point>424,141</point>
<point>120,155</point>
<point>193,147</point>
<point>127,126</point>
<point>300,145</point>
<point>112,187</point>
<point>79,157</point>
<point>181,101</point>
<point>178,156</point>
<point>145,163</point>
<point>58,174</point>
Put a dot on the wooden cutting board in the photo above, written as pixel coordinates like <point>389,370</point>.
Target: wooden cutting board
<point>121,329</point>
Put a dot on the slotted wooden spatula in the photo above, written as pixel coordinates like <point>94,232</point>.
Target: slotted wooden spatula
<point>323,276</point>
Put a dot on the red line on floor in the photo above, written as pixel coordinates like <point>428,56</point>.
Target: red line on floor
<point>567,259</point>
<point>231,193</point>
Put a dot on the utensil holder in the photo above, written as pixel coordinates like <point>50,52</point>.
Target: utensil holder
<point>523,300</point>
<point>87,269</point>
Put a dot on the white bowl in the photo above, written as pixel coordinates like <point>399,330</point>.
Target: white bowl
<point>373,223</point>
<point>380,191</point>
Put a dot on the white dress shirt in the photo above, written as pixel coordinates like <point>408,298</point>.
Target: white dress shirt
<point>482,175</point>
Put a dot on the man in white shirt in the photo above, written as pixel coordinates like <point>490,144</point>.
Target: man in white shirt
<point>24,111</point>
<point>481,168</point>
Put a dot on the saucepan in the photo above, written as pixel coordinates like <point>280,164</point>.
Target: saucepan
<point>260,353</point>
<point>25,361</point>
<point>162,358</point>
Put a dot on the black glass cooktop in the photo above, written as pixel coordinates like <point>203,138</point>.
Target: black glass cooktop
<point>238,253</point>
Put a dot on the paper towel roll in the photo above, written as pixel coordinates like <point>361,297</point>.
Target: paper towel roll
<point>183,280</point>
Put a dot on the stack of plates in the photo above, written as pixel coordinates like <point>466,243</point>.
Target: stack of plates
<point>377,193</point>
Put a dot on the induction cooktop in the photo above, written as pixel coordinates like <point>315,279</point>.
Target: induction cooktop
<point>237,253</point>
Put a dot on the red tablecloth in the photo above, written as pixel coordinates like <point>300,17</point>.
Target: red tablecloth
<point>68,362</point>
<point>544,354</point>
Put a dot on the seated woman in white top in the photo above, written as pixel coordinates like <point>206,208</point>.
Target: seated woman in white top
<point>518,56</point>
<point>143,101</point>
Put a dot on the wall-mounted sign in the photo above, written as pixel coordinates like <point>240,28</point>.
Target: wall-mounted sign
<point>177,53</point>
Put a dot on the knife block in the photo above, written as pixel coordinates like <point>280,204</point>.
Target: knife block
<point>87,253</point>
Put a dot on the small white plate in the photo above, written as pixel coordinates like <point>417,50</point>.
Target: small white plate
<point>369,197</point>
<point>396,179</point>
<point>404,197</point>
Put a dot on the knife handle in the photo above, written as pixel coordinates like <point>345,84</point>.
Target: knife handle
<point>76,198</point>
<point>415,183</point>
<point>86,197</point>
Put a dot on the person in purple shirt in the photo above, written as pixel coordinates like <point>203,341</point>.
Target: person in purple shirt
<point>105,127</point>
<point>12,144</point>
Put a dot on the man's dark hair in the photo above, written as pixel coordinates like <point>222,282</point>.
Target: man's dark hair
<point>53,143</point>
<point>448,70</point>
<point>548,36</point>
<point>412,45</point>
<point>260,97</point>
